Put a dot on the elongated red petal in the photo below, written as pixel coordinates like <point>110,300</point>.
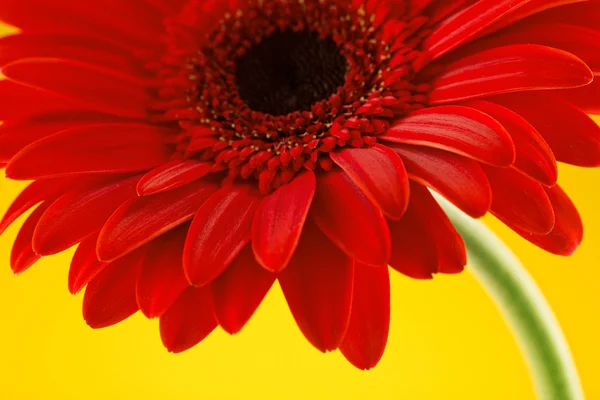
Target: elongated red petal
<point>380,173</point>
<point>168,6</point>
<point>239,290</point>
<point>416,6</point>
<point>452,254</point>
<point>567,233</point>
<point>110,296</point>
<point>350,219</point>
<point>508,69</point>
<point>132,23</point>
<point>16,134</point>
<point>478,18</point>
<point>519,201</point>
<point>317,285</point>
<point>140,220</point>
<point>584,13</point>
<point>82,47</point>
<point>85,264</point>
<point>369,326</point>
<point>467,24</point>
<point>172,175</point>
<point>459,179</point>
<point>412,246</point>
<point>100,149</point>
<point>579,41</point>
<point>220,230</point>
<point>572,135</point>
<point>424,241</point>
<point>533,7</point>
<point>36,192</point>
<point>442,10</point>
<point>22,256</point>
<point>456,129</point>
<point>586,98</point>
<point>279,220</point>
<point>161,279</point>
<point>534,156</point>
<point>79,213</point>
<point>91,86</point>
<point>188,321</point>
<point>26,101</point>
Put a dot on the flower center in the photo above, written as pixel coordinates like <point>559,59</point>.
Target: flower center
<point>290,71</point>
<point>268,90</point>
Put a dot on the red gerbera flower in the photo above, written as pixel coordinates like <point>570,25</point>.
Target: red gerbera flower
<point>200,150</point>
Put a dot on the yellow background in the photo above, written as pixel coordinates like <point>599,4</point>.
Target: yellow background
<point>447,339</point>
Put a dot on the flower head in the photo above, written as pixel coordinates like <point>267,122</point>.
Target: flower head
<point>199,150</point>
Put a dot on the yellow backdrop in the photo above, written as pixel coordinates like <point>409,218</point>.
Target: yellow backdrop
<point>447,339</point>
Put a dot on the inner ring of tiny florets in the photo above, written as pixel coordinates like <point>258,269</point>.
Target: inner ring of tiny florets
<point>255,107</point>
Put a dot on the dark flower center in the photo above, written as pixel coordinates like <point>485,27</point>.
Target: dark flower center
<point>290,71</point>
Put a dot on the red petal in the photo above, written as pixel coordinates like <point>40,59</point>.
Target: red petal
<point>412,246</point>
<point>416,7</point>
<point>161,279</point>
<point>536,7</point>
<point>140,220</point>
<point>239,290</point>
<point>509,69</point>
<point>26,101</point>
<point>579,41</point>
<point>131,22</point>
<point>567,233</point>
<point>84,265</point>
<point>168,6</point>
<point>452,254</point>
<point>188,321</point>
<point>109,148</point>
<point>457,129</point>
<point>584,13</point>
<point>79,213</point>
<point>220,230</point>
<point>82,47</point>
<point>317,285</point>
<point>424,241</point>
<point>573,136</point>
<point>17,134</point>
<point>91,86</point>
<point>36,192</point>
<point>467,24</point>
<point>519,201</point>
<point>459,179</point>
<point>586,98</point>
<point>367,333</point>
<point>172,175</point>
<point>534,156</point>
<point>279,220</point>
<point>441,10</point>
<point>110,296</point>
<point>473,21</point>
<point>350,219</point>
<point>380,173</point>
<point>22,256</point>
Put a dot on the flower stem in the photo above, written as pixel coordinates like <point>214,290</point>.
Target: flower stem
<point>523,305</point>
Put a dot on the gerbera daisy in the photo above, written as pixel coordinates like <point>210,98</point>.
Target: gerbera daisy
<point>197,151</point>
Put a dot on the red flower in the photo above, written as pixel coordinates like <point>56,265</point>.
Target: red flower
<point>200,150</point>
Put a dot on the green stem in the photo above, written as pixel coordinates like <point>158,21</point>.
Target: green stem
<point>524,307</point>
